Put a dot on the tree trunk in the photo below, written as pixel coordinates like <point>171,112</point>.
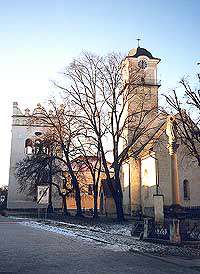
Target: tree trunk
<point>79,212</point>
<point>116,193</point>
<point>119,208</point>
<point>65,211</point>
<point>95,214</point>
<point>119,195</point>
<point>75,185</point>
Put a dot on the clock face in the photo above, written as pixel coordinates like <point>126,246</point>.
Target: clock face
<point>142,64</point>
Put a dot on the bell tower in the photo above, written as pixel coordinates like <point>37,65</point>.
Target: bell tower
<point>139,73</point>
<point>24,144</point>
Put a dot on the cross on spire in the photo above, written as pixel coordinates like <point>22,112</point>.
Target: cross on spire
<point>138,39</point>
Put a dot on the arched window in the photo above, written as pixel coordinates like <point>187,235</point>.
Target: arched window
<point>38,146</point>
<point>46,148</point>
<point>186,190</point>
<point>41,147</point>
<point>28,146</point>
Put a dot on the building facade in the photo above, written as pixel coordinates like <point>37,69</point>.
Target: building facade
<point>141,177</point>
<point>22,144</point>
<point>149,173</point>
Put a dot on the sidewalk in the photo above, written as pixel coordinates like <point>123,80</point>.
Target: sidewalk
<point>116,236</point>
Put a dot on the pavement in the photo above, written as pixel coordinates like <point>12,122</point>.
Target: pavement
<point>26,249</point>
<point>116,236</point>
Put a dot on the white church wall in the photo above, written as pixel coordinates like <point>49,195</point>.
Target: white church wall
<point>21,131</point>
<point>126,187</point>
<point>163,157</point>
<point>131,186</point>
<point>135,185</point>
<point>190,171</point>
<point>148,182</point>
<point>187,170</point>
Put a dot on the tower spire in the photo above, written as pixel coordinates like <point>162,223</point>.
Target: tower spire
<point>138,39</point>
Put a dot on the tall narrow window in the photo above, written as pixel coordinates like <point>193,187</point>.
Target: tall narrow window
<point>186,190</point>
<point>28,146</point>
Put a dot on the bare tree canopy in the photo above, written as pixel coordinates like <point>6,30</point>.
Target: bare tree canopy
<point>109,104</point>
<point>106,113</point>
<point>187,111</point>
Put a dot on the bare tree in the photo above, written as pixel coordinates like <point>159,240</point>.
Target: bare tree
<point>187,111</point>
<point>62,130</point>
<point>43,168</point>
<point>91,159</point>
<point>109,106</point>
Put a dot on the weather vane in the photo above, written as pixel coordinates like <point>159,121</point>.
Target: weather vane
<point>138,39</point>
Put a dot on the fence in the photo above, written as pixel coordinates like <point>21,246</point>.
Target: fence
<point>189,229</point>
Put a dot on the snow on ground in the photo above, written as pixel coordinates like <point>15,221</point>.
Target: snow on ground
<point>77,233</point>
<point>112,236</point>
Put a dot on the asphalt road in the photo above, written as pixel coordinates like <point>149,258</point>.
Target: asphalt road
<point>28,250</point>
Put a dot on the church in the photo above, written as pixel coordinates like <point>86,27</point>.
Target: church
<point>24,134</point>
<point>150,173</point>
<point>142,177</point>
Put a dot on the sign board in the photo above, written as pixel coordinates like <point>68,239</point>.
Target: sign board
<point>42,194</point>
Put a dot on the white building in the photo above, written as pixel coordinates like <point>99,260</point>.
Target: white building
<point>23,137</point>
<point>139,176</point>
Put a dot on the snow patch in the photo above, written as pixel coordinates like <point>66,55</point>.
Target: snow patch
<point>68,233</point>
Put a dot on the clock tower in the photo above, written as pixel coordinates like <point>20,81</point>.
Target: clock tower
<point>139,73</point>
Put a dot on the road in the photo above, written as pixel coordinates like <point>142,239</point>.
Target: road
<point>24,249</point>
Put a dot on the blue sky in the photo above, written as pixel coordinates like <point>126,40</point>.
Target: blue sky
<point>39,37</point>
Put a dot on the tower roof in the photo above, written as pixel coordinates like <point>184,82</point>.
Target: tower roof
<point>136,52</point>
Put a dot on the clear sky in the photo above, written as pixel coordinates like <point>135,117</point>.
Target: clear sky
<point>39,37</point>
